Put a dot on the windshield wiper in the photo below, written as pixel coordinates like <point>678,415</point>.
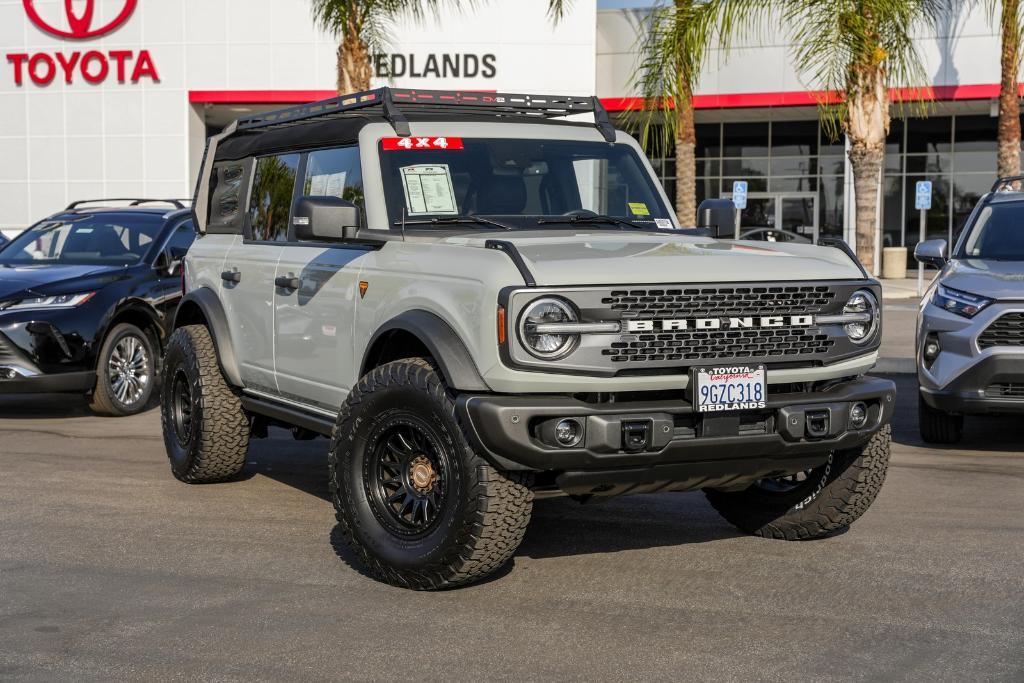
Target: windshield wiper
<point>457,220</point>
<point>594,218</point>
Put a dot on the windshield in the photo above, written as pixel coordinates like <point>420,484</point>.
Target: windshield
<point>520,181</point>
<point>997,234</point>
<point>89,240</point>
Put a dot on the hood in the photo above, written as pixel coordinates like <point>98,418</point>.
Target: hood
<point>19,280</point>
<point>995,279</point>
<point>609,258</point>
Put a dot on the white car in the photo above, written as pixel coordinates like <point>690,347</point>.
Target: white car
<point>482,303</point>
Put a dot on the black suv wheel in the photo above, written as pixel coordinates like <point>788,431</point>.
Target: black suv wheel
<point>206,430</point>
<point>415,503</point>
<point>125,372</point>
<point>814,503</point>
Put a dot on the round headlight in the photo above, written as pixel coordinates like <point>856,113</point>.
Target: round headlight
<point>863,302</point>
<point>546,344</point>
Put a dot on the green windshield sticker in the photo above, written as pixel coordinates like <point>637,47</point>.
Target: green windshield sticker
<point>639,209</point>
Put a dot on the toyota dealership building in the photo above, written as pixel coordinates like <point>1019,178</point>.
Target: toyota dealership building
<point>114,98</point>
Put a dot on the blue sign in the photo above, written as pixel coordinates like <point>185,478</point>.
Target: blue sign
<point>739,194</point>
<point>923,196</point>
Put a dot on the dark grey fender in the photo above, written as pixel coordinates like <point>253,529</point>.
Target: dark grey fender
<point>216,321</point>
<point>447,350</point>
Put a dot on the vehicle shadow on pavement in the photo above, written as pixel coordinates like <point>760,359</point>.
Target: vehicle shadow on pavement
<point>43,406</point>
<point>981,433</point>
<point>562,527</point>
<point>301,465</point>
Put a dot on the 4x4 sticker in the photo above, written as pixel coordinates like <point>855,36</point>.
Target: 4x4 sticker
<point>418,143</point>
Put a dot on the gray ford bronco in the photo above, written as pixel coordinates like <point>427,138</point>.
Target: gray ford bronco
<point>482,303</point>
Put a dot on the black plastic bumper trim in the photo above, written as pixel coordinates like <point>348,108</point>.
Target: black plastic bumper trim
<point>60,383</point>
<point>966,393</point>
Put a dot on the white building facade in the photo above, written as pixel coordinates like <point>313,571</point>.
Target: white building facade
<point>115,98</point>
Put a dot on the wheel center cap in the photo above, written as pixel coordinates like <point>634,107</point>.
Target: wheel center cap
<point>422,474</point>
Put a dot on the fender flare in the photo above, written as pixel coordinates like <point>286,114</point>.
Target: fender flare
<point>217,322</point>
<point>445,346</point>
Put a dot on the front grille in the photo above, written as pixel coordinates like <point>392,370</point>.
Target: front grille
<point>772,344</point>
<point>703,302</point>
<point>1007,330</point>
<point>779,343</point>
<point>1012,390</point>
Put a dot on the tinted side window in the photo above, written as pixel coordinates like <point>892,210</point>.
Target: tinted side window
<point>335,173</point>
<point>182,238</point>
<point>272,187</point>
<point>229,182</point>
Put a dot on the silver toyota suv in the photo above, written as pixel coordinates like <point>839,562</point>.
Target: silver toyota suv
<point>482,303</point>
<point>970,332</point>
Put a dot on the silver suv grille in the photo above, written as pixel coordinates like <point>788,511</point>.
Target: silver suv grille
<point>1007,330</point>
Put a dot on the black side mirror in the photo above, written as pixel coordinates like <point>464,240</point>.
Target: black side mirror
<point>327,219</point>
<point>932,253</point>
<point>718,216</point>
<point>169,261</point>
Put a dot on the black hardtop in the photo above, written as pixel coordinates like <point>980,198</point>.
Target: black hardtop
<point>338,120</point>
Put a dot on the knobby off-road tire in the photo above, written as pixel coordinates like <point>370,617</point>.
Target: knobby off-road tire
<point>937,426</point>
<point>829,499</point>
<point>125,373</point>
<point>206,431</point>
<point>397,437</point>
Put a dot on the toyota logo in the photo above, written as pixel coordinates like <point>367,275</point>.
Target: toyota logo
<point>79,25</point>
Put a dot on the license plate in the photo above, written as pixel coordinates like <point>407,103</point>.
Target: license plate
<point>734,387</point>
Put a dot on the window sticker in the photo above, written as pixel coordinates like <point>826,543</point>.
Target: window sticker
<point>429,189</point>
<point>663,223</point>
<point>639,209</point>
<point>328,184</point>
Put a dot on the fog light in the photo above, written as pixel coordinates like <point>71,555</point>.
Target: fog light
<point>568,432</point>
<point>931,348</point>
<point>858,415</point>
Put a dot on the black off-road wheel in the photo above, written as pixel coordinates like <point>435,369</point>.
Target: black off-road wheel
<point>415,503</point>
<point>937,426</point>
<point>206,430</point>
<point>125,373</point>
<point>811,504</point>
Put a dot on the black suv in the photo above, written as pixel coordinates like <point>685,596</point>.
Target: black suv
<point>86,298</point>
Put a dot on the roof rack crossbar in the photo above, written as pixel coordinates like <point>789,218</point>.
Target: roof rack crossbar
<point>132,201</point>
<point>1005,183</point>
<point>391,102</point>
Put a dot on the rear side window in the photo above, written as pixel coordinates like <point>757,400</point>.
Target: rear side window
<point>334,173</point>
<point>229,182</point>
<point>272,188</point>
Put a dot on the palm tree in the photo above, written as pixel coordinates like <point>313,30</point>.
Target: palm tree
<point>360,26</point>
<point>855,51</point>
<point>672,53</point>
<point>1011,26</point>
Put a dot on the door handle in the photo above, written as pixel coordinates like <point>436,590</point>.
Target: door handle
<point>287,282</point>
<point>231,276</point>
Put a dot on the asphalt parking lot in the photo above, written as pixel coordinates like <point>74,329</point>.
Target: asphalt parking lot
<point>111,569</point>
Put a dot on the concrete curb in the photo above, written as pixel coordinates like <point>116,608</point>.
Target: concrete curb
<point>896,366</point>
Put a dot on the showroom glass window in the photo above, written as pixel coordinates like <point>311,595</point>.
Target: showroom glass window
<point>272,188</point>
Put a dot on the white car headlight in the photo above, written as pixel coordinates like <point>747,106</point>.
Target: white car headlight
<point>51,302</point>
<point>536,334</point>
<point>864,305</point>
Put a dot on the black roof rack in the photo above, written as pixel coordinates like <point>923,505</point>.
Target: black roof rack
<point>392,102</point>
<point>132,201</point>
<point>1006,184</point>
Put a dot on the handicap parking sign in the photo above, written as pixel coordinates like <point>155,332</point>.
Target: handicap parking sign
<point>923,196</point>
<point>739,194</point>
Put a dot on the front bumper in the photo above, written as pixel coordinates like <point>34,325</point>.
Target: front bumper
<point>22,374</point>
<point>965,378</point>
<point>976,391</point>
<point>685,450</point>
